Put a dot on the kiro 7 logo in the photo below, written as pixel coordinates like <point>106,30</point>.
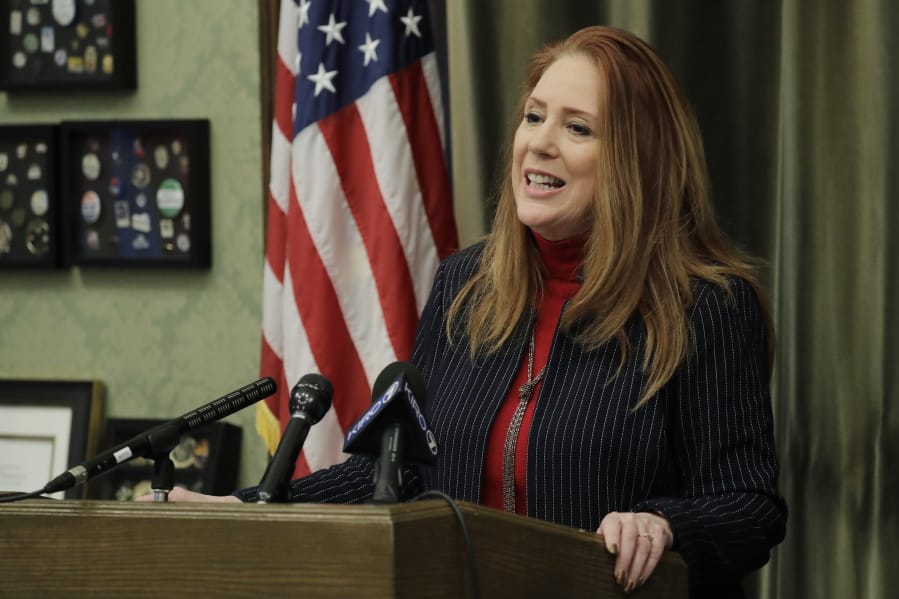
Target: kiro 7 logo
<point>422,423</point>
<point>373,411</point>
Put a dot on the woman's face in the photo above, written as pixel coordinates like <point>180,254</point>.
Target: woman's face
<point>555,150</point>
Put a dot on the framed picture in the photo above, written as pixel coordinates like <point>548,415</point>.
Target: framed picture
<point>46,427</point>
<point>54,44</point>
<point>206,461</point>
<point>135,193</point>
<point>29,204</point>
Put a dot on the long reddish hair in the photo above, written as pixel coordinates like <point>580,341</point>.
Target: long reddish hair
<point>653,234</point>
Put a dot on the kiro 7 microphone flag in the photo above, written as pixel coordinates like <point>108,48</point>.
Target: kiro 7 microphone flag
<point>359,211</point>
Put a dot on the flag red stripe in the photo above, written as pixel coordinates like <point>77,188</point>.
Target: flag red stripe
<point>283,108</point>
<point>327,333</point>
<point>276,233</point>
<point>345,135</point>
<point>411,92</point>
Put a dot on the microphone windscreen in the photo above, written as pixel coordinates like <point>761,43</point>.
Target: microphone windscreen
<point>316,380</point>
<point>397,398</point>
<point>389,375</point>
<point>311,395</point>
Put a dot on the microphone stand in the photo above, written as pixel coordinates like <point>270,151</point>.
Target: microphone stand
<point>162,441</point>
<point>163,477</point>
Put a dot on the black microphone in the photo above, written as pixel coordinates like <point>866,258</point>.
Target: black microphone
<point>393,429</point>
<point>310,400</point>
<point>163,437</point>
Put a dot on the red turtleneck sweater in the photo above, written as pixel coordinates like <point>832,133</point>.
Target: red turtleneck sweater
<point>562,260</point>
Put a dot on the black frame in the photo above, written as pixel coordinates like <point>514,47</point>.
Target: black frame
<point>85,42</point>
<point>84,398</point>
<point>108,234</point>
<point>34,226</point>
<point>214,474</point>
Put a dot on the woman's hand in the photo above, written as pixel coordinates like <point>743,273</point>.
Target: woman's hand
<point>181,495</point>
<point>638,539</point>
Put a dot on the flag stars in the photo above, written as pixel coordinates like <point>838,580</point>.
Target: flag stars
<point>322,79</point>
<point>332,30</point>
<point>369,49</point>
<point>411,22</point>
<point>303,13</point>
<point>375,5</point>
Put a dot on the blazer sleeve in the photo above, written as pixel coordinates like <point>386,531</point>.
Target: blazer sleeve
<point>349,482</point>
<point>719,405</point>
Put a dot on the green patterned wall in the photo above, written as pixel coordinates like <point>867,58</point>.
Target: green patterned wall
<point>161,341</point>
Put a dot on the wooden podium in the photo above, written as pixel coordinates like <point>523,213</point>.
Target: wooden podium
<point>415,550</point>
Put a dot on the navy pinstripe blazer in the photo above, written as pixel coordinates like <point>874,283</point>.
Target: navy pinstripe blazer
<point>701,452</point>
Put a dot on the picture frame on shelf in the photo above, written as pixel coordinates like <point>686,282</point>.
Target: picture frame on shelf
<point>136,193</point>
<point>46,427</point>
<point>29,202</point>
<point>67,44</point>
<point>206,460</point>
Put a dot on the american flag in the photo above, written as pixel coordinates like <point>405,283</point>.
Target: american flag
<point>359,212</point>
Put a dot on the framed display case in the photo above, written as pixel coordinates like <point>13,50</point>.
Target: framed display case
<point>46,427</point>
<point>135,193</point>
<point>206,461</point>
<point>53,44</point>
<point>29,204</point>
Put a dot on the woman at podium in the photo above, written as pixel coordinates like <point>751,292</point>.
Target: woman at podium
<point>602,359</point>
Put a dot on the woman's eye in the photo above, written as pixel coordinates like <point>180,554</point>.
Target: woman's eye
<point>532,118</point>
<point>579,129</point>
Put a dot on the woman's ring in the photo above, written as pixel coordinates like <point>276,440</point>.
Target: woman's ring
<point>648,535</point>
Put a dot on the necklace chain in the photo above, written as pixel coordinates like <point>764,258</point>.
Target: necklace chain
<point>524,396</point>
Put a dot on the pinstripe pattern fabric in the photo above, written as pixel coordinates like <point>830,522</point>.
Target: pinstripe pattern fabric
<point>701,452</point>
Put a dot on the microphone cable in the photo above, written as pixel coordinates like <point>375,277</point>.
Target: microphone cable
<point>472,566</point>
<point>20,496</point>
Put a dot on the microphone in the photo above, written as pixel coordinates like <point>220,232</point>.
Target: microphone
<point>310,400</point>
<point>393,429</point>
<point>163,437</point>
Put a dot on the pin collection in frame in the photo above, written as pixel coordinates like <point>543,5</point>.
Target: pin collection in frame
<point>137,192</point>
<point>94,193</point>
<point>125,193</point>
<point>28,197</point>
<point>47,44</point>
